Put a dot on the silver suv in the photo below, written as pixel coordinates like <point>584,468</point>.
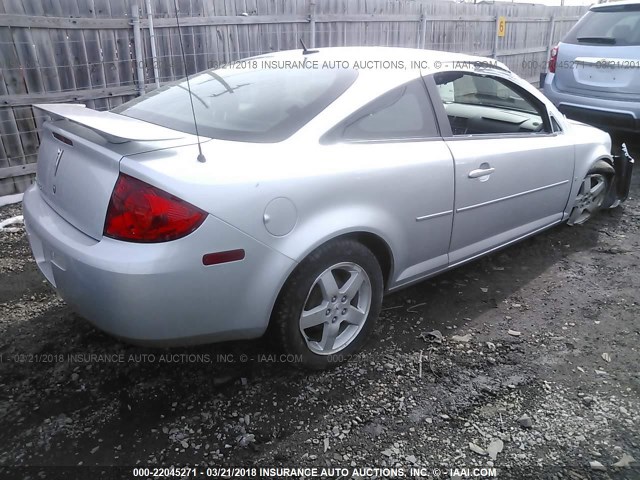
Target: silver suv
<point>594,73</point>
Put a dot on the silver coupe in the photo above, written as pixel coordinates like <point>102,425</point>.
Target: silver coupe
<point>288,192</point>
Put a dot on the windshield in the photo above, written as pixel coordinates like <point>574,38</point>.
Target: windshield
<point>261,105</point>
<point>612,25</point>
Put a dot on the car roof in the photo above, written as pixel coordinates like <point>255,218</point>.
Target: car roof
<point>387,54</point>
<point>614,4</point>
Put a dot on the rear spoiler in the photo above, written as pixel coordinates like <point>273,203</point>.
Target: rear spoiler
<point>115,128</point>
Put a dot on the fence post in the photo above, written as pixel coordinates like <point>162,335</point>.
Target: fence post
<point>422,40</point>
<point>137,43</point>
<point>312,24</point>
<point>494,53</point>
<point>152,40</point>
<point>552,32</point>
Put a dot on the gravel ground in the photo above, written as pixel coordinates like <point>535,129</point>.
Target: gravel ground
<point>526,361</point>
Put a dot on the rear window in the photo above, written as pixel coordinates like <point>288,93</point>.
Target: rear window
<point>262,105</point>
<point>612,25</point>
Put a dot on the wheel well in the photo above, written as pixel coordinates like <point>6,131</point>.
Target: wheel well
<point>373,242</point>
<point>379,248</point>
<point>602,165</point>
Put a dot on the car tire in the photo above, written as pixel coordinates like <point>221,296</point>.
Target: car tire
<point>329,305</point>
<point>594,193</point>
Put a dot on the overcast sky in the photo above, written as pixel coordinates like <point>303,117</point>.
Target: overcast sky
<point>551,2</point>
<point>557,2</point>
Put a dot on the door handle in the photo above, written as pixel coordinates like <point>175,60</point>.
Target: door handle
<point>481,172</point>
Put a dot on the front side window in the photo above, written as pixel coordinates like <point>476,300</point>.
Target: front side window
<point>257,105</point>
<point>479,104</point>
<point>403,113</point>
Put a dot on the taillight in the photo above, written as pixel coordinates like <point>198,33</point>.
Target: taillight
<point>553,59</point>
<point>139,212</point>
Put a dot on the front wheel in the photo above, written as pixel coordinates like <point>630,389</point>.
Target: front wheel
<point>591,197</point>
<point>329,305</point>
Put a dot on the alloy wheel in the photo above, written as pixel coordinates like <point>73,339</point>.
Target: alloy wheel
<point>336,308</point>
<point>590,197</point>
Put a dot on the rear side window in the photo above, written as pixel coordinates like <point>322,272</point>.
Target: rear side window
<point>617,25</point>
<point>258,105</point>
<point>400,114</point>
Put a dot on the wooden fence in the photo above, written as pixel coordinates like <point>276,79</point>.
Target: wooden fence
<point>88,51</point>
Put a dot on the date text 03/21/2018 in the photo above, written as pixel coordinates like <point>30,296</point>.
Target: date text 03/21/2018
<point>312,472</point>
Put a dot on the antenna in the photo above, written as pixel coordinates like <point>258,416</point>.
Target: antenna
<point>305,50</point>
<point>201,157</point>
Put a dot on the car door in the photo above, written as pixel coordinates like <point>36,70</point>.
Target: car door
<point>408,182</point>
<point>512,170</point>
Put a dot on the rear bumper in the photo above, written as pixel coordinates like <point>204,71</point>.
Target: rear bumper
<point>604,113</point>
<point>158,294</point>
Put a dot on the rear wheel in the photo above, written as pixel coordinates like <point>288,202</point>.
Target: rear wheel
<point>329,305</point>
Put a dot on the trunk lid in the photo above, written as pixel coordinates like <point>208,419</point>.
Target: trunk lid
<point>599,71</point>
<point>79,159</point>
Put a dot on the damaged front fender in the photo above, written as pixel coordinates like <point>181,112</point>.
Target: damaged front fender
<point>623,166</point>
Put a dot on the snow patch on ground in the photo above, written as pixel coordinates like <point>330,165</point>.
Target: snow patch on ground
<point>11,199</point>
<point>5,224</point>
